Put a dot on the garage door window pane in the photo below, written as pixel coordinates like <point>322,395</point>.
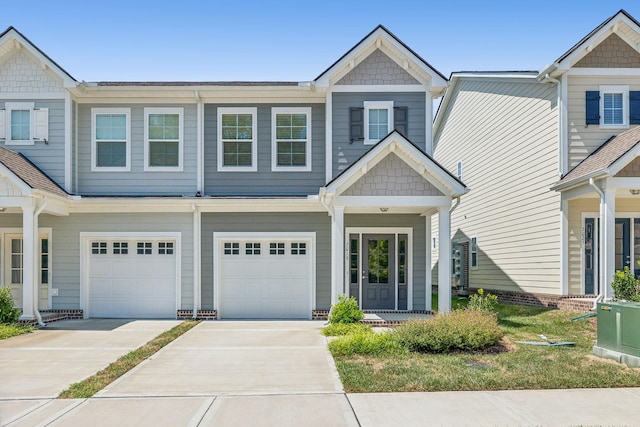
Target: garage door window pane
<point>144,248</point>
<point>165,248</point>
<point>120,248</point>
<point>252,248</point>
<point>231,248</point>
<point>99,248</point>
<point>298,248</point>
<point>276,248</point>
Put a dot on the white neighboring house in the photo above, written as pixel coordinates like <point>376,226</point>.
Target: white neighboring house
<point>551,157</point>
<point>218,199</point>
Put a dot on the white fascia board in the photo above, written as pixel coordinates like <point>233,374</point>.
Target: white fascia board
<point>579,181</point>
<point>393,201</point>
<point>626,182</point>
<point>17,202</point>
<point>624,160</point>
<point>15,180</point>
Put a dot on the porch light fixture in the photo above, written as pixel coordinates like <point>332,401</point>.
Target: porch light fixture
<point>384,209</point>
<point>634,191</point>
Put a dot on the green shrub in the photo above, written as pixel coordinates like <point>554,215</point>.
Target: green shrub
<point>8,311</point>
<point>346,310</point>
<point>483,302</point>
<point>365,343</point>
<point>460,330</point>
<point>338,329</point>
<point>625,285</point>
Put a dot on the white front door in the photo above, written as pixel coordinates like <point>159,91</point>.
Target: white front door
<point>13,267</point>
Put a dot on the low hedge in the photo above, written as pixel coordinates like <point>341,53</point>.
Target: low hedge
<point>339,329</point>
<point>460,330</point>
<point>365,343</point>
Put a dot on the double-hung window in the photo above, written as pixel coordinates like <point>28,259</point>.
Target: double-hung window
<point>291,139</point>
<point>163,135</point>
<point>378,120</point>
<point>21,123</point>
<point>237,139</point>
<point>110,139</point>
<point>614,104</point>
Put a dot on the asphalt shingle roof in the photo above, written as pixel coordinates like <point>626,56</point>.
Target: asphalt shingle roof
<point>28,172</point>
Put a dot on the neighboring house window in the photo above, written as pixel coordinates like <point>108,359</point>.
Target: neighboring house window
<point>237,139</point>
<point>291,139</point>
<point>21,123</point>
<point>163,128</point>
<point>613,107</point>
<point>473,252</point>
<point>110,139</point>
<point>459,169</point>
<point>378,117</point>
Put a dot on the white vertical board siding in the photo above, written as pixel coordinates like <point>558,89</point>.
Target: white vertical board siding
<point>505,134</point>
<point>66,255</point>
<point>583,140</point>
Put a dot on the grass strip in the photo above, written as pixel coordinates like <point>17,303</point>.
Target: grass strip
<point>90,386</point>
<point>14,329</point>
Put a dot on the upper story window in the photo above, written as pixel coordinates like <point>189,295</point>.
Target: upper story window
<point>291,139</point>
<point>378,119</point>
<point>110,139</point>
<point>21,123</point>
<point>237,140</point>
<point>163,135</point>
<point>614,104</point>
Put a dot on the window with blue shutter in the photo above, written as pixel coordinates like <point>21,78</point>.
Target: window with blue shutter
<point>593,107</point>
<point>634,107</point>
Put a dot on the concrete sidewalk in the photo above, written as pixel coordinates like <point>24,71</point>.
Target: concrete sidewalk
<point>608,407</point>
<point>43,363</point>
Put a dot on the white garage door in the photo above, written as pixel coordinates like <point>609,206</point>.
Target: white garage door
<point>132,278</point>
<point>265,278</point>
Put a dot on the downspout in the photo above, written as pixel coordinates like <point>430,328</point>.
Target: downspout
<point>323,196</point>
<point>196,259</point>
<point>453,208</point>
<point>36,281</point>
<point>547,77</point>
<point>600,293</point>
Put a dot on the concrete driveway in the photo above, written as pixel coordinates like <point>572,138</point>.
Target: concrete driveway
<point>236,357</point>
<point>45,362</point>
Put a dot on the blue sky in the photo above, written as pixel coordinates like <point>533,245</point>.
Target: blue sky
<point>284,40</point>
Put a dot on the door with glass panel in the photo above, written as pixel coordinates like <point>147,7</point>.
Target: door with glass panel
<point>622,243</point>
<point>14,265</point>
<point>378,273</point>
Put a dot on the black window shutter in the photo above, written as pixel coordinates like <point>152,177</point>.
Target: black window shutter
<point>634,107</point>
<point>593,107</point>
<point>356,123</point>
<point>400,119</point>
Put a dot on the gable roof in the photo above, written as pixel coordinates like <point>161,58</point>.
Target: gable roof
<point>27,173</point>
<point>606,160</point>
<point>405,149</point>
<point>618,23</point>
<point>11,33</point>
<point>438,79</point>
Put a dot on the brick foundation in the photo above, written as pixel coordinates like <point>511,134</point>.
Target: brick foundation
<point>49,316</point>
<point>582,303</point>
<point>200,314</point>
<point>319,314</point>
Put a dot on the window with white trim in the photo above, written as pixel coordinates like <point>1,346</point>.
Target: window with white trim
<point>237,139</point>
<point>252,248</point>
<point>298,248</point>
<point>473,252</point>
<point>276,248</point>
<point>120,248</point>
<point>378,120</point>
<point>291,139</point>
<point>165,248</point>
<point>614,105</point>
<point>231,248</point>
<point>144,248</point>
<point>22,123</point>
<point>110,139</point>
<point>163,135</point>
<point>99,248</point>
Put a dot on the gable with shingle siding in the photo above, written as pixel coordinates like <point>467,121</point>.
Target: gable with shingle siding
<point>378,69</point>
<point>613,52</point>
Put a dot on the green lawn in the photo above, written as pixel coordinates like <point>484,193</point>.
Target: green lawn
<point>513,366</point>
<point>14,329</point>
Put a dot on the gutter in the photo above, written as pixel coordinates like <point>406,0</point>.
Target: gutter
<point>36,282</point>
<point>601,293</point>
<point>453,208</point>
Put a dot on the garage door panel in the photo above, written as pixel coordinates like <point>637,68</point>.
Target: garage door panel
<point>131,284</point>
<point>265,285</point>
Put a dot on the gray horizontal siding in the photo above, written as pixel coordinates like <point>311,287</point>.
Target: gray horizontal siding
<point>345,152</point>
<point>417,223</point>
<point>264,181</point>
<point>65,249</point>
<point>48,157</point>
<point>319,223</point>
<point>137,181</point>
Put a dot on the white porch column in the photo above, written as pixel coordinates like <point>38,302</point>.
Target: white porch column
<point>444,260</point>
<point>28,262</point>
<point>427,268</point>
<point>564,247</point>
<point>607,253</point>
<point>337,253</point>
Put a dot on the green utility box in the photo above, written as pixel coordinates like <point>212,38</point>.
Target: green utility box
<point>619,332</point>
